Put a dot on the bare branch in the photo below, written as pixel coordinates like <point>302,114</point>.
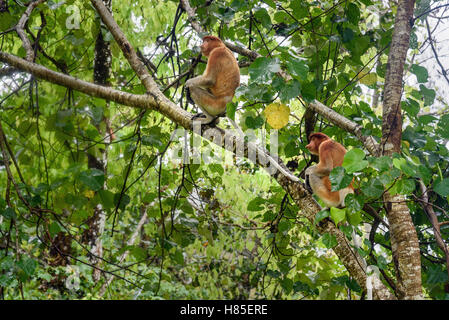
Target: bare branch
<point>21,32</point>
<point>443,70</point>
<point>428,209</point>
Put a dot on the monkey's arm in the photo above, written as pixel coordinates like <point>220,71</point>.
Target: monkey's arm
<point>200,82</point>
<point>209,77</point>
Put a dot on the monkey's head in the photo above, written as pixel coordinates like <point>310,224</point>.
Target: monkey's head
<point>315,139</point>
<point>210,43</point>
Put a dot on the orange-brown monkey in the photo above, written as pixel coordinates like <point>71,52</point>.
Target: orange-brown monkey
<point>216,87</point>
<point>331,154</point>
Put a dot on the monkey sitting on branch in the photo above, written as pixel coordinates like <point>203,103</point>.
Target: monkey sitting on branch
<point>216,86</point>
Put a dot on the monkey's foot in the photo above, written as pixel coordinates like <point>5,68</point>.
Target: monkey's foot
<point>204,119</point>
<point>199,115</point>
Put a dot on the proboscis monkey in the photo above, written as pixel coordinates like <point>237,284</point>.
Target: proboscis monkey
<point>216,86</point>
<point>331,154</point>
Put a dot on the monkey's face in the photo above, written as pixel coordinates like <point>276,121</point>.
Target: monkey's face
<point>208,45</point>
<point>313,146</point>
<point>204,46</point>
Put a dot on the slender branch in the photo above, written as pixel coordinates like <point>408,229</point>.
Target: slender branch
<point>21,32</point>
<point>428,209</point>
<point>443,70</point>
<point>428,11</point>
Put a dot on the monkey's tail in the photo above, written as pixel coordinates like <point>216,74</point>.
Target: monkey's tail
<point>265,153</point>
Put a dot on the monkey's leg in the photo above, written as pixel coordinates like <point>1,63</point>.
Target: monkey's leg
<point>211,106</point>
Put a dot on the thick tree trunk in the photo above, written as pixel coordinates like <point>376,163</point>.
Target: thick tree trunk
<point>404,240</point>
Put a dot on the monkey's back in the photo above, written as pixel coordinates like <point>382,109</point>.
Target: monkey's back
<point>336,149</point>
<point>227,72</point>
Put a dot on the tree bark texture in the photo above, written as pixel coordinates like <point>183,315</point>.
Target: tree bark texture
<point>404,240</point>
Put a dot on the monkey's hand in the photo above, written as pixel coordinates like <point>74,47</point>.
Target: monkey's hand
<point>200,82</point>
<point>199,115</point>
<point>189,83</point>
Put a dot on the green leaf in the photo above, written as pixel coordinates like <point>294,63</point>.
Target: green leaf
<point>153,138</point>
<point>420,72</point>
<point>405,186</point>
<point>262,15</point>
<point>353,14</point>
<point>403,165</point>
<point>413,40</point>
<point>425,174</point>
<point>6,21</point>
<point>298,68</point>
<point>271,3</point>
<point>27,265</point>
<point>329,240</point>
<point>381,163</point>
<point>347,35</point>
<point>427,94</point>
<point>124,201</point>
<point>321,215</point>
<point>218,168</point>
<point>339,179</point>
<point>254,123</point>
<point>284,225</point>
<point>353,160</point>
<point>55,228</point>
<point>352,203</point>
<point>262,69</point>
<point>138,252</point>
<point>178,257</point>
<point>291,149</point>
<point>411,106</point>
<point>354,217</point>
<point>256,204</point>
<point>373,188</point>
<point>107,199</point>
<point>442,187</point>
<point>443,126</point>
<point>300,8</point>
<point>338,215</point>
<point>308,91</point>
<point>290,90</point>
<point>9,213</point>
<point>92,178</point>
<point>230,110</point>
<point>287,285</point>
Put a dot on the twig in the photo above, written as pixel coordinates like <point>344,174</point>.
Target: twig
<point>30,56</point>
<point>428,209</point>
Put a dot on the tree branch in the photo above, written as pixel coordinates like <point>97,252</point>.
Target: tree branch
<point>21,32</point>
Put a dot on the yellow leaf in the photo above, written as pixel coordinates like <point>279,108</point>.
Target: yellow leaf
<point>277,115</point>
<point>369,79</point>
<point>89,194</point>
